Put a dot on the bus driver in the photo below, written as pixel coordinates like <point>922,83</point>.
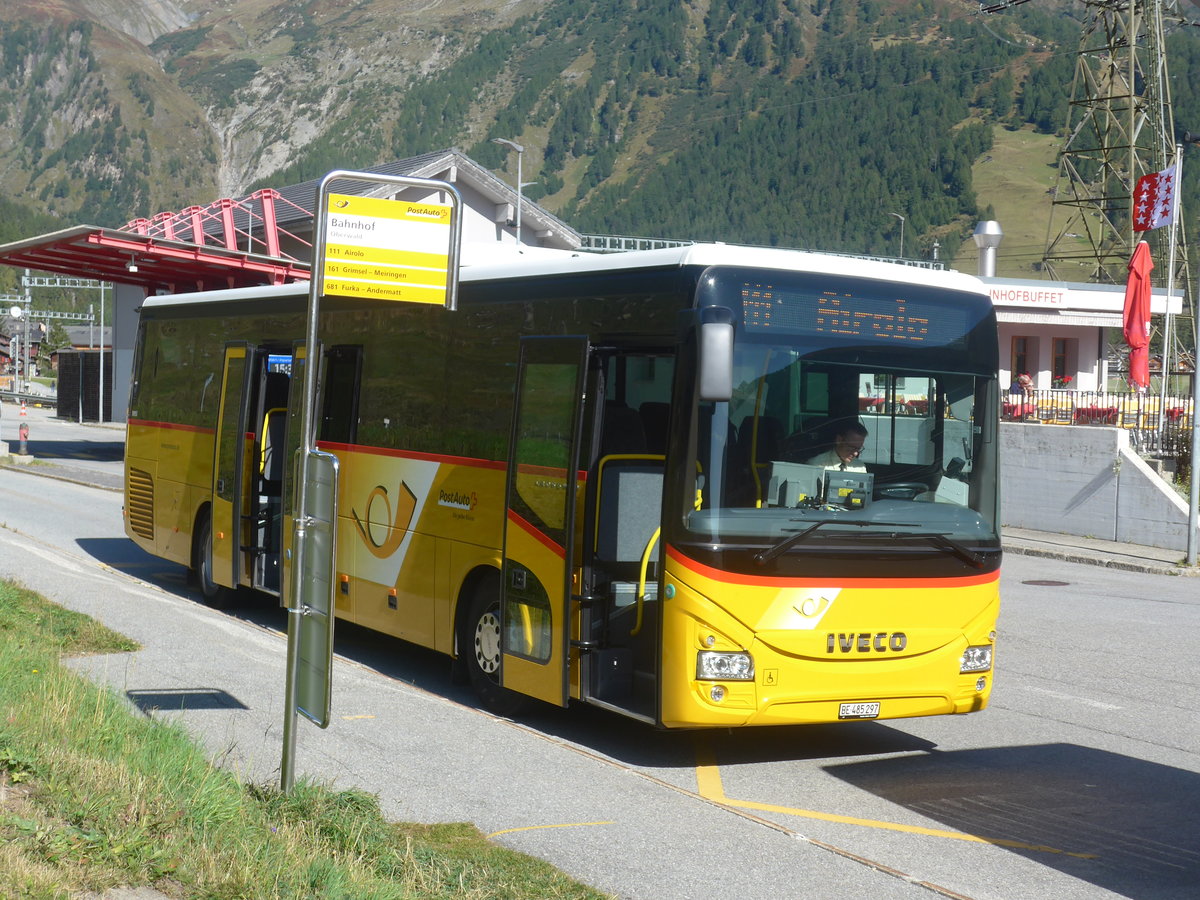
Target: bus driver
<point>843,455</point>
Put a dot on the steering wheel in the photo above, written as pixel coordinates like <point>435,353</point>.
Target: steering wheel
<point>900,490</point>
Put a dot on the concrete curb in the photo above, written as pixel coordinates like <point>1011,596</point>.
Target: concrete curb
<point>86,478</point>
<point>1147,567</point>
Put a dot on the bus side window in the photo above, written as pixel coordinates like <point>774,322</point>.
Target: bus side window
<point>274,424</point>
<point>273,452</point>
<point>654,415</point>
<point>626,520</point>
<point>339,413</point>
<point>623,430</point>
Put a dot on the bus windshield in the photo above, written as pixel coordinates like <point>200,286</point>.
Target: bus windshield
<point>837,453</point>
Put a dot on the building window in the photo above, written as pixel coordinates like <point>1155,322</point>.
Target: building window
<point>1020,356</point>
<point>1064,361</point>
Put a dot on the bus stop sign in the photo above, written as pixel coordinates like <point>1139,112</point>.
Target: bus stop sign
<point>378,249</point>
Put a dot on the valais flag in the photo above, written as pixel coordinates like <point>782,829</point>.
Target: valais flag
<point>1154,200</point>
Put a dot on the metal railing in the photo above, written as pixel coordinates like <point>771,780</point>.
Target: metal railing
<point>619,243</point>
<point>34,400</point>
<point>1156,425</point>
<point>247,223</point>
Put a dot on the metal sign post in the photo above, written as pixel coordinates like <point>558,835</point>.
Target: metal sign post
<point>366,248</point>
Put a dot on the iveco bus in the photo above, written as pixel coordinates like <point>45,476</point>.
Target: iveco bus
<point>601,478</point>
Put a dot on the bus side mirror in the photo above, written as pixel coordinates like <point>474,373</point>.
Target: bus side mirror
<point>716,353</point>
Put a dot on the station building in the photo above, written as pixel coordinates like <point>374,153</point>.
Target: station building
<point>1055,330</point>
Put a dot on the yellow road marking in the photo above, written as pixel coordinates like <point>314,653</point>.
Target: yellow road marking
<point>708,781</point>
<point>539,827</point>
<point>358,717</point>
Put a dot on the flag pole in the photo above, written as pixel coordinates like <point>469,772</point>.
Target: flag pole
<point>1166,354</point>
<point>1194,483</point>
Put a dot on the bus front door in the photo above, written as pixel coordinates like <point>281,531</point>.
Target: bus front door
<point>621,619</point>
<point>249,467</point>
<point>231,467</point>
<point>539,537</point>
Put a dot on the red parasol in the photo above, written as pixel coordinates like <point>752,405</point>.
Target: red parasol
<point>1137,315</point>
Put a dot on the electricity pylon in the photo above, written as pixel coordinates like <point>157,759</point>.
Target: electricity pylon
<point>1120,127</point>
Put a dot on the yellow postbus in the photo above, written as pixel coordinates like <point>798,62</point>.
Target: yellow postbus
<point>706,486</point>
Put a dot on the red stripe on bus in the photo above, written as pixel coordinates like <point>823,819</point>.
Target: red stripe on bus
<point>172,426</point>
<point>540,536</point>
<point>413,454</point>
<point>441,458</point>
<point>528,469</point>
<point>769,581</point>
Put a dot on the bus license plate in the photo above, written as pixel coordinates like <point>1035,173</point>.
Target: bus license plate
<point>859,711</point>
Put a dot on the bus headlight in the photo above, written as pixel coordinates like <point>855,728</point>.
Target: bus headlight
<point>976,659</point>
<point>712,665</point>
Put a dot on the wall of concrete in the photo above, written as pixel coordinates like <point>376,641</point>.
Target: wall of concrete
<point>1086,480</point>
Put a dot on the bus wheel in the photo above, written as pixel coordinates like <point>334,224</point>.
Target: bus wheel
<point>480,645</point>
<point>215,595</point>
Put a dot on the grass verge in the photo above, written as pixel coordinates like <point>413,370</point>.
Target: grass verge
<point>94,796</point>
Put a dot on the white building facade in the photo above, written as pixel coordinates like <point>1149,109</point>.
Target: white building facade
<point>1055,330</point>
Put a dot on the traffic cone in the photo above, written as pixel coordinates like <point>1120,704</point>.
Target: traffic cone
<point>23,408</point>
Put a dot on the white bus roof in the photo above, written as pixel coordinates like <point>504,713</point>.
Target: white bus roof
<point>537,262</point>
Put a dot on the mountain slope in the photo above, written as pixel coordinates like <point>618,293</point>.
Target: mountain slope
<point>88,127</point>
<point>796,122</point>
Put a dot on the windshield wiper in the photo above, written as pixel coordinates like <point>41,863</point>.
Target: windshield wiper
<point>939,539</point>
<point>765,556</point>
<point>945,542</point>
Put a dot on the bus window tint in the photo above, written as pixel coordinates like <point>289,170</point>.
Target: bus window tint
<point>339,416</point>
<point>543,445</point>
<point>763,457</point>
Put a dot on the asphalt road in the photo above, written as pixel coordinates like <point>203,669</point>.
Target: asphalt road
<point>1080,781</point>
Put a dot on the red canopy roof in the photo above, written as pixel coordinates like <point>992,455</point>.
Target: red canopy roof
<point>125,257</point>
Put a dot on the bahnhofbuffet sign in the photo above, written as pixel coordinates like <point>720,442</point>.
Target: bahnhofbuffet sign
<point>1023,295</point>
<point>1079,297</point>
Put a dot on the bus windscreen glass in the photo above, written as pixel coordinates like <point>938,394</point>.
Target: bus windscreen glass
<point>886,390</point>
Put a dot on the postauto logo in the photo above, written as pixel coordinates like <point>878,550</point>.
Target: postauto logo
<point>458,499</point>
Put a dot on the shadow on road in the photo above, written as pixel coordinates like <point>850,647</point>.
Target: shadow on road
<point>125,556</point>
<point>183,699</point>
<point>607,733</point>
<point>601,731</point>
<point>95,451</point>
<point>1123,824</point>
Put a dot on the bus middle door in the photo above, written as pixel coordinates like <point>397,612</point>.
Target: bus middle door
<point>540,531</point>
<point>232,465</point>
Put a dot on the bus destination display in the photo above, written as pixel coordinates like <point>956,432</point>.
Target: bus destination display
<point>851,315</point>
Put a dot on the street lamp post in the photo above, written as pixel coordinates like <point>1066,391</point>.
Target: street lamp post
<point>901,218</point>
<point>25,343</point>
<point>100,390</point>
<point>513,145</point>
